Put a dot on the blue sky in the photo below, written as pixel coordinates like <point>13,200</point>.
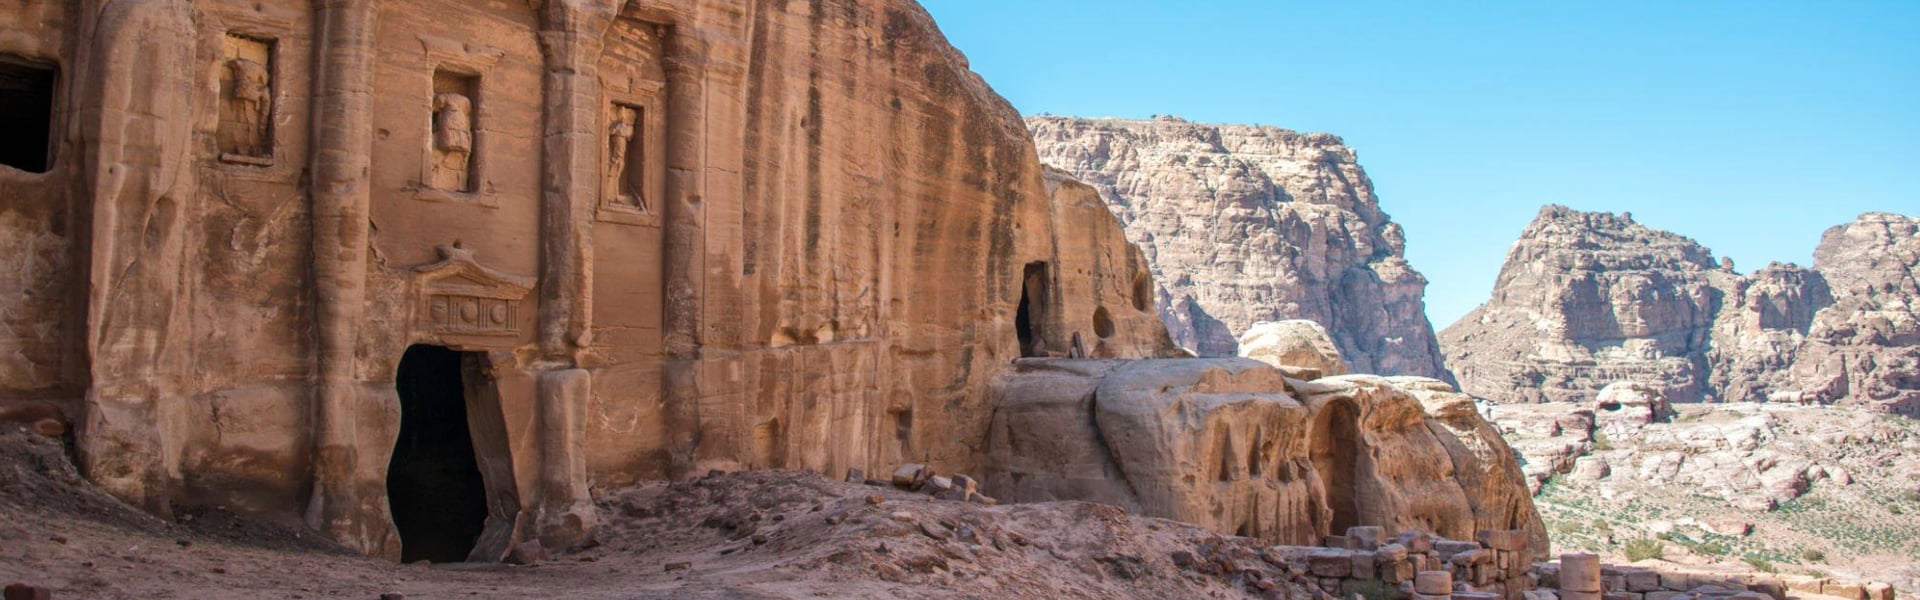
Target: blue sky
<point>1751,126</point>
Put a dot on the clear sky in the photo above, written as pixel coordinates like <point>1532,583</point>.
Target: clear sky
<point>1751,126</point>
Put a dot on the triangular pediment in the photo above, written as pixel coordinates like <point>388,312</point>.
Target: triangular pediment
<point>459,273</point>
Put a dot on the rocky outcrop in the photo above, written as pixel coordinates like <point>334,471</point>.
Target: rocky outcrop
<point>1236,446</point>
<point>1587,300</point>
<point>1295,344</point>
<point>1866,346</point>
<point>1243,224</point>
<point>1584,300</point>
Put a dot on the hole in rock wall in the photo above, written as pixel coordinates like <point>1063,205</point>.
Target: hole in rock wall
<point>1143,293</point>
<point>1102,323</point>
<point>1336,443</point>
<point>434,487</point>
<point>1031,316</point>
<point>26,114</point>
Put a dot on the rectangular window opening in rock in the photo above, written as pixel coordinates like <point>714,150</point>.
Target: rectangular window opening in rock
<point>245,135</point>
<point>455,102</point>
<point>26,113</point>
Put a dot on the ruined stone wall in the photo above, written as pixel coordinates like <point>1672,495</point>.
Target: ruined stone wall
<point>668,236</point>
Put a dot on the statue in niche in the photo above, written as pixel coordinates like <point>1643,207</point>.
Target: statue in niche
<point>452,141</point>
<point>243,127</point>
<point>627,159</point>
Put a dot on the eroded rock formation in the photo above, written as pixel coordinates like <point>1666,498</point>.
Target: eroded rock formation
<point>640,240</point>
<point>1243,224</point>
<point>1236,446</point>
<point>1587,300</point>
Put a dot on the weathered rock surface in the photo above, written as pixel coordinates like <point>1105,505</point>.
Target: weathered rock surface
<point>624,241</point>
<point>1817,490</point>
<point>1866,346</point>
<point>1234,445</point>
<point>1295,343</point>
<point>1243,224</point>
<point>1584,300</point>
<point>1587,300</point>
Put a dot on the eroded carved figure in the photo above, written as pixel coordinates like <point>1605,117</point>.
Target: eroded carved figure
<point>626,185</point>
<point>452,141</point>
<point>244,129</point>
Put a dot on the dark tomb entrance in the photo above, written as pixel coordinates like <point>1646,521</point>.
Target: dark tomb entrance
<point>1336,443</point>
<point>1032,315</point>
<point>26,114</point>
<point>433,484</point>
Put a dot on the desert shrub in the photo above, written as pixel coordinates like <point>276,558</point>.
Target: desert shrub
<point>1600,441</point>
<point>1911,496</point>
<point>1814,555</point>
<point>1713,549</point>
<point>1569,528</point>
<point>1643,548</point>
<point>1760,564</point>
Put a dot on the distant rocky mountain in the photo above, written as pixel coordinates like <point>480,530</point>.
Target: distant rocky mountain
<point>1243,224</point>
<point>1590,299</point>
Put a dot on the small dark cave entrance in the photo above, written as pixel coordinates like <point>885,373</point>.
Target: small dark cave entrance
<point>1032,315</point>
<point>434,487</point>
<point>1336,444</point>
<point>26,114</point>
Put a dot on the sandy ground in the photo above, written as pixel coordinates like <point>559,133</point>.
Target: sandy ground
<point>747,535</point>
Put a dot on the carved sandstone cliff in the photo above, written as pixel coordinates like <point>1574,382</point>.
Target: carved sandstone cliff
<point>1243,224</point>
<point>1590,299</point>
<point>274,250</point>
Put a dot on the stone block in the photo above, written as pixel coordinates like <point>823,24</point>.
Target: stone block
<point>856,475</point>
<point>966,483</point>
<point>1391,553</point>
<point>1566,594</point>
<point>1396,571</point>
<point>1879,591</point>
<point>1417,542</point>
<point>907,475</point>
<point>1613,582</point>
<point>1448,548</point>
<point>1622,596</point>
<point>1846,590</point>
<point>1579,572</point>
<point>1539,595</point>
<point>1363,566</point>
<point>1330,564</point>
<point>1476,596</point>
<point>1366,537</point>
<point>21,591</point>
<point>937,484</point>
<point>1505,539</point>
<point>1420,596</point>
<point>1336,541</point>
<point>1641,580</point>
<point>1663,595</point>
<point>1805,585</point>
<point>1436,583</point>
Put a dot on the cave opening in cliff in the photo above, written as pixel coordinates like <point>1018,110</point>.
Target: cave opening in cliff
<point>1336,444</point>
<point>434,486</point>
<point>1031,318</point>
<point>26,114</point>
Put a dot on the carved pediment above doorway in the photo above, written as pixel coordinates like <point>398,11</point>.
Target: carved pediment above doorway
<point>459,296</point>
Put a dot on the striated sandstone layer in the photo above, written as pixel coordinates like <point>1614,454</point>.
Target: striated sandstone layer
<point>1584,300</point>
<point>1866,346</point>
<point>1236,446</point>
<point>1587,300</point>
<point>1243,224</point>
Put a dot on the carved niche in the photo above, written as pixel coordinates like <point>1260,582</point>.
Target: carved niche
<point>245,135</point>
<point>460,297</point>
<point>633,79</point>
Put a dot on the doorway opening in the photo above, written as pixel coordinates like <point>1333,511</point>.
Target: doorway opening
<point>26,114</point>
<point>1336,443</point>
<point>434,487</point>
<point>1032,315</point>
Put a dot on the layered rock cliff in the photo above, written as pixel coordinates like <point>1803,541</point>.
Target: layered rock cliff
<point>1589,299</point>
<point>1243,224</point>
